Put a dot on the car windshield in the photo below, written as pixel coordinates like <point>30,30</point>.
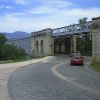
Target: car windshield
<point>76,54</point>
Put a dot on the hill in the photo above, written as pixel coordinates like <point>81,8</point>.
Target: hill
<point>17,35</point>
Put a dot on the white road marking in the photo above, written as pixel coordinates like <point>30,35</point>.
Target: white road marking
<point>69,80</point>
<point>45,61</point>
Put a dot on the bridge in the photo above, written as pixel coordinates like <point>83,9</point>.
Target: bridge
<point>63,40</point>
<point>72,29</point>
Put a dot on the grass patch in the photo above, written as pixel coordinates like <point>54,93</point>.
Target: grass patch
<point>26,58</point>
<point>96,66</point>
<point>6,61</point>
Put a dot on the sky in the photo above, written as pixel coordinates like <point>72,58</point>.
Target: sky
<point>35,15</point>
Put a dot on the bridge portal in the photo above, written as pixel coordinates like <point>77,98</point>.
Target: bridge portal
<point>65,38</point>
<point>62,45</point>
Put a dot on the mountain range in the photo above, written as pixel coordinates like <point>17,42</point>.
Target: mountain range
<point>17,35</point>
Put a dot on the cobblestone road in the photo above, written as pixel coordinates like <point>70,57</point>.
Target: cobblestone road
<point>37,82</point>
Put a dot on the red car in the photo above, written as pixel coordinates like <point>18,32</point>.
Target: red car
<point>76,59</point>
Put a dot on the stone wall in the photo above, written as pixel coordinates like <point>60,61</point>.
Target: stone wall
<point>24,43</point>
<point>48,42</point>
<point>96,39</point>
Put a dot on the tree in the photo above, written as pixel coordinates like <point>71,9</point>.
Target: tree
<point>2,39</point>
<point>84,43</point>
<point>82,22</point>
<point>9,52</point>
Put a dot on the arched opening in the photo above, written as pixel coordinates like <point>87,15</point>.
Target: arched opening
<point>37,47</point>
<point>41,46</point>
<point>62,45</point>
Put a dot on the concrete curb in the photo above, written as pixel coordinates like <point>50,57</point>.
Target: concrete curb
<point>93,69</point>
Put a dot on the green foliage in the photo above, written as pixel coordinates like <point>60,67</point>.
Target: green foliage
<point>80,44</point>
<point>2,39</point>
<point>96,66</point>
<point>9,52</point>
<point>84,44</point>
<point>19,52</point>
<point>82,20</point>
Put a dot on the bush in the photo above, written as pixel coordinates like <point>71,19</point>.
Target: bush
<point>10,52</point>
<point>2,39</point>
<point>19,52</point>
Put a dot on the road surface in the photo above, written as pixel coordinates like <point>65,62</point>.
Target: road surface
<point>54,79</point>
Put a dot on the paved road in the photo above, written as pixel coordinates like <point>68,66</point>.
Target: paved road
<point>7,69</point>
<point>54,80</point>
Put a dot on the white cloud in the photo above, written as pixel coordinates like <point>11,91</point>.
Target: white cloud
<point>7,7</point>
<point>49,6</point>
<point>59,4</point>
<point>38,10</point>
<point>22,2</point>
<point>41,10</point>
<point>54,18</point>
<point>82,12</point>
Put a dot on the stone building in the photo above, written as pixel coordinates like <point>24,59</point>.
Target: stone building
<point>42,42</point>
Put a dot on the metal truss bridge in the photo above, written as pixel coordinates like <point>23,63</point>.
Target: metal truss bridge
<point>75,29</point>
